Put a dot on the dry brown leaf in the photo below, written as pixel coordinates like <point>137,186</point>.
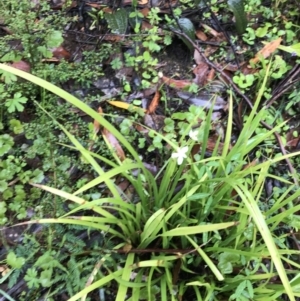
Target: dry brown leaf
<point>201,72</point>
<point>154,103</point>
<point>197,57</point>
<point>266,51</point>
<point>112,37</point>
<point>211,75</point>
<point>201,35</point>
<point>146,25</point>
<point>155,122</point>
<point>21,65</point>
<point>60,53</point>
<point>232,67</point>
<point>109,138</point>
<point>145,11</point>
<point>209,50</point>
<point>114,143</point>
<point>175,83</point>
<point>219,36</point>
<point>293,143</point>
<point>96,123</point>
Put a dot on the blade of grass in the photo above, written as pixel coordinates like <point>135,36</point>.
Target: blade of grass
<point>260,222</point>
<point>122,290</point>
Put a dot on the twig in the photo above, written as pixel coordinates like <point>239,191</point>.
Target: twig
<point>286,85</point>
<point>239,92</point>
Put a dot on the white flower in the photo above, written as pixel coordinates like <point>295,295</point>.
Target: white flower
<point>194,134</point>
<point>180,155</point>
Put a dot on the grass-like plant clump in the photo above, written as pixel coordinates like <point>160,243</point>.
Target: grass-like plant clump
<point>200,227</point>
<point>128,173</point>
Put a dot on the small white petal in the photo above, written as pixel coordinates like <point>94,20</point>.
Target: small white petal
<point>179,160</point>
<point>184,150</point>
<point>194,134</point>
<point>181,154</point>
<point>174,155</point>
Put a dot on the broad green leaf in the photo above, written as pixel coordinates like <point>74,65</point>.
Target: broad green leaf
<point>14,261</point>
<point>237,7</point>
<point>3,185</point>
<point>45,278</point>
<point>187,27</point>
<point>54,39</point>
<point>117,21</point>
<point>197,229</point>
<point>294,49</point>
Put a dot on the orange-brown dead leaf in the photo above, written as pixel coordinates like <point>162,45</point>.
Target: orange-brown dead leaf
<point>61,53</point>
<point>266,51</point>
<point>175,83</point>
<point>201,35</point>
<point>114,144</point>
<point>144,11</point>
<point>154,103</point>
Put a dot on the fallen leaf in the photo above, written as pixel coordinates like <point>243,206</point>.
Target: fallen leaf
<point>211,75</point>
<point>21,65</point>
<point>154,103</point>
<point>201,35</point>
<point>232,67</point>
<point>219,36</point>
<point>175,83</point>
<point>145,11</point>
<point>114,144</point>
<point>146,25</point>
<point>60,53</point>
<point>197,57</point>
<point>266,51</point>
<point>201,72</point>
<point>126,106</point>
<point>155,122</point>
<point>96,123</point>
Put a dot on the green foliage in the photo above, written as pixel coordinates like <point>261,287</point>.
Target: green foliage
<point>237,6</point>
<point>117,21</point>
<point>229,236</point>
<point>208,215</point>
<point>16,103</point>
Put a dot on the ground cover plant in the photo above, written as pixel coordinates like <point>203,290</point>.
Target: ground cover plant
<point>141,181</point>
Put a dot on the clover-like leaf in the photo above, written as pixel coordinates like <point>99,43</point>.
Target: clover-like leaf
<point>14,261</point>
